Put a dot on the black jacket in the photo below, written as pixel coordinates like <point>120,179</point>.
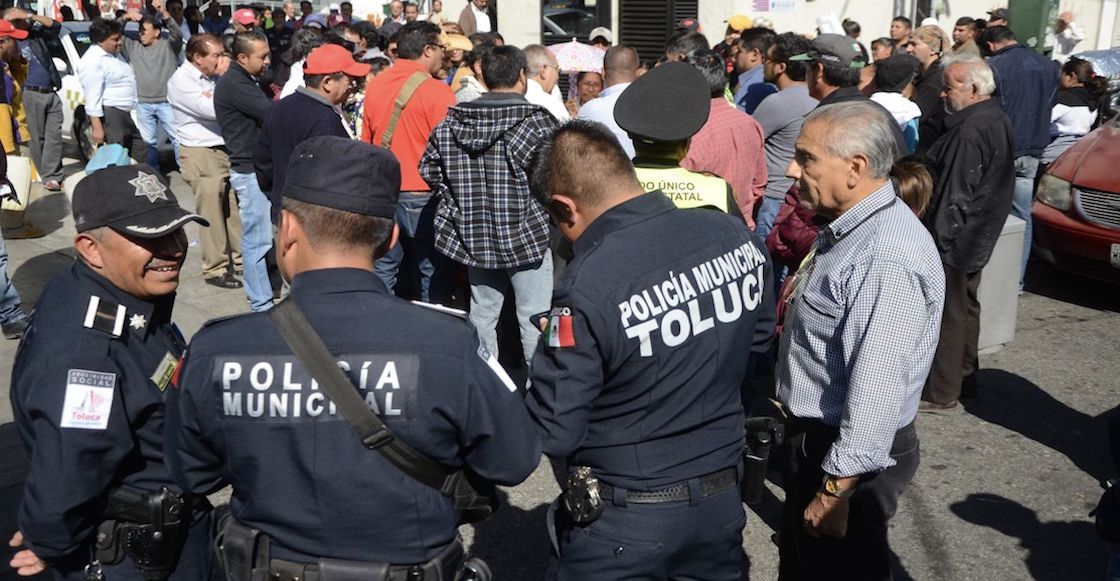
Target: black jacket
<point>292,120</point>
<point>242,108</point>
<point>37,41</point>
<point>974,178</point>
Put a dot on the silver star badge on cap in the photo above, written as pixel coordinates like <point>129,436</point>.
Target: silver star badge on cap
<point>149,186</point>
<point>137,321</point>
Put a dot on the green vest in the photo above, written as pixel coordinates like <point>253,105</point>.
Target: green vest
<point>688,189</point>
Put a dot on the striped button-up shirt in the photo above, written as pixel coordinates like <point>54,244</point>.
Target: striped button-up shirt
<point>862,329</point>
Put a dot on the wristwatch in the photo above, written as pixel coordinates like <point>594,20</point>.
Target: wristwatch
<point>831,487</point>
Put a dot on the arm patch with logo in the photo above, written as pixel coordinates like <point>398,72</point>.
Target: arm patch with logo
<point>558,332</point>
<point>89,399</point>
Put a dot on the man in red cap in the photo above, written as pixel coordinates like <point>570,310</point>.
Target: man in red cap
<point>329,75</point>
<point>245,19</point>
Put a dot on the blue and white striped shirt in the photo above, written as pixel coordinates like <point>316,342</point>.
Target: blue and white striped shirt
<point>862,329</point>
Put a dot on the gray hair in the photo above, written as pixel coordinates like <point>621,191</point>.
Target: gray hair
<point>858,128</point>
<point>977,73</point>
<point>537,57</point>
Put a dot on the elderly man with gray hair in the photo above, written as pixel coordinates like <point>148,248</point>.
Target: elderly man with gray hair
<point>857,344</point>
<point>974,165</point>
<point>542,77</point>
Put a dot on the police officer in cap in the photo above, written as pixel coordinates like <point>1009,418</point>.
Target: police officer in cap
<point>635,384</point>
<point>88,391</point>
<point>309,499</point>
<point>661,111</point>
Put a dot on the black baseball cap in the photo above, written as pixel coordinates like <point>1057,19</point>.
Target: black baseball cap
<point>1000,14</point>
<point>131,199</point>
<point>344,174</point>
<point>834,49</point>
<point>669,103</point>
<point>894,73</point>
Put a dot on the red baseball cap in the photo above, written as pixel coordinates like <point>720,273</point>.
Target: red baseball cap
<point>332,58</point>
<point>9,31</point>
<point>245,17</point>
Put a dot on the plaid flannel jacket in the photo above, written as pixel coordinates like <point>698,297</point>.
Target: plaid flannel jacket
<point>477,163</point>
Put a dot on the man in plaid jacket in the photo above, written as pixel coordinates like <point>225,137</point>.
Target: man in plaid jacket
<point>477,163</point>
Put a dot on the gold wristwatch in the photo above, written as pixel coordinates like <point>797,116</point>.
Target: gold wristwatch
<point>831,487</point>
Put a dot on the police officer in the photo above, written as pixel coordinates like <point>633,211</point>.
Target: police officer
<point>249,414</point>
<point>661,111</point>
<point>88,391</point>
<point>636,380</point>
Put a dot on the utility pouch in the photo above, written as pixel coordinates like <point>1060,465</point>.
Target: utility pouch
<point>243,552</point>
<point>580,498</point>
<point>110,549</point>
<point>763,434</point>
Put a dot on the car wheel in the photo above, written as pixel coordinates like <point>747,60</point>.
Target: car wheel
<point>83,134</point>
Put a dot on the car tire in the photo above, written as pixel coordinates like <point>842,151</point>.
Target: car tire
<point>83,135</point>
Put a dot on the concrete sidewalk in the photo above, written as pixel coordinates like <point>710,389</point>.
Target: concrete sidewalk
<point>1003,491</point>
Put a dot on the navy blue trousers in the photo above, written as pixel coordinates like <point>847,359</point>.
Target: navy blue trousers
<point>697,540</point>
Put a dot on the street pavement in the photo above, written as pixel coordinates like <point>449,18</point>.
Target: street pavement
<point>1004,486</point>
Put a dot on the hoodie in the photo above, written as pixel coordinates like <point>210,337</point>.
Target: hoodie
<point>477,164</point>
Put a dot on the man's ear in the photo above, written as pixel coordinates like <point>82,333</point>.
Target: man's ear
<point>289,232</point>
<point>564,208</point>
<point>857,169</point>
<point>89,249</point>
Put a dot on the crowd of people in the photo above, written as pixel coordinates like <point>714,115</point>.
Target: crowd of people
<point>800,202</point>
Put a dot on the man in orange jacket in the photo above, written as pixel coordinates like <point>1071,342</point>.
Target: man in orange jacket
<point>420,52</point>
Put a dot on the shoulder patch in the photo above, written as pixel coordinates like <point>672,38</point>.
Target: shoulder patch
<point>558,331</point>
<point>442,309</point>
<point>492,363</point>
<point>89,399</point>
<point>105,316</point>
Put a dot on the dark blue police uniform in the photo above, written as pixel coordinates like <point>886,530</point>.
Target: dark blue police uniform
<point>638,376</point>
<point>246,413</point>
<point>88,390</point>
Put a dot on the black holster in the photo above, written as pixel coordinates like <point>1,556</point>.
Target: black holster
<point>149,527</point>
<point>243,552</point>
<point>763,434</point>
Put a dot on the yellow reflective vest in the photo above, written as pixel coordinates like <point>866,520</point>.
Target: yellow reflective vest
<point>688,189</point>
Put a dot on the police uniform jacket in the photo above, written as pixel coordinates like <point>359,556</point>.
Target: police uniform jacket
<point>88,390</point>
<point>246,413</point>
<point>639,370</point>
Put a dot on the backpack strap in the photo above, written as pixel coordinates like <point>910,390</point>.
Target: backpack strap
<point>403,97</point>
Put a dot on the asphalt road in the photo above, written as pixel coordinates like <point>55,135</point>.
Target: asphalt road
<point>1004,487</point>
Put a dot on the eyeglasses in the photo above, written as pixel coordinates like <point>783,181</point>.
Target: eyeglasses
<point>439,46</point>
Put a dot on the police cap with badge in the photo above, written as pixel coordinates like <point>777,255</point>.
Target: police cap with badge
<point>668,104</point>
<point>345,175</point>
<point>133,200</point>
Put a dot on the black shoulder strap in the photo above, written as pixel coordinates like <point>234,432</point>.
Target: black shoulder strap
<point>374,434</point>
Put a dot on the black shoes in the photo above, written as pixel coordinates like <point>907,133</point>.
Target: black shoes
<point>226,280</point>
<point>15,329</point>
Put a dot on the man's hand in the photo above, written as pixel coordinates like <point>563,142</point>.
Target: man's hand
<point>826,515</point>
<point>25,562</point>
<point>133,15</point>
<point>97,131</point>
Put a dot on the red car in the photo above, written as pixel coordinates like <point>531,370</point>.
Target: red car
<point>1077,207</point>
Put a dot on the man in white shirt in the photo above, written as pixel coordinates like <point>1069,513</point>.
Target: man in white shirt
<point>544,73</point>
<point>620,68</point>
<point>1068,34</point>
<point>475,18</point>
<point>109,87</point>
<point>204,161</point>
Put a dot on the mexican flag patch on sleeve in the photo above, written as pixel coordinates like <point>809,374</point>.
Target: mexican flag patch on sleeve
<point>559,333</point>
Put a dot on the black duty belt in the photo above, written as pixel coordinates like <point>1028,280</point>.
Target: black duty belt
<point>443,566</point>
<point>709,485</point>
<point>38,89</point>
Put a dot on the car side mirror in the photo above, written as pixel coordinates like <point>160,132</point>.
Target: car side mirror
<point>61,65</point>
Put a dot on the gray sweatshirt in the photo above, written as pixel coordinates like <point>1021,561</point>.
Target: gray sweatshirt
<point>153,65</point>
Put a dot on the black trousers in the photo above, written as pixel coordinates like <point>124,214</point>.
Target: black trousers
<point>957,355</point>
<point>863,554</point>
<point>120,129</point>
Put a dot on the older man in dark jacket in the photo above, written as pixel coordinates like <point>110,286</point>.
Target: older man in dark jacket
<point>975,177</point>
<point>328,75</point>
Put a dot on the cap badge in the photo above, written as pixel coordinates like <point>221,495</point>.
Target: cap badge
<point>137,321</point>
<point>149,186</point>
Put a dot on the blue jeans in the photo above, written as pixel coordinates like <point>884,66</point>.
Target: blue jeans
<point>256,238</point>
<point>151,116</point>
<point>767,212</point>
<point>532,293</point>
<point>415,214</point>
<point>700,538</point>
<point>10,311</point>
<point>1025,169</point>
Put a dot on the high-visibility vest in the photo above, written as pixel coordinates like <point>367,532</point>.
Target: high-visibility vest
<point>686,188</point>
